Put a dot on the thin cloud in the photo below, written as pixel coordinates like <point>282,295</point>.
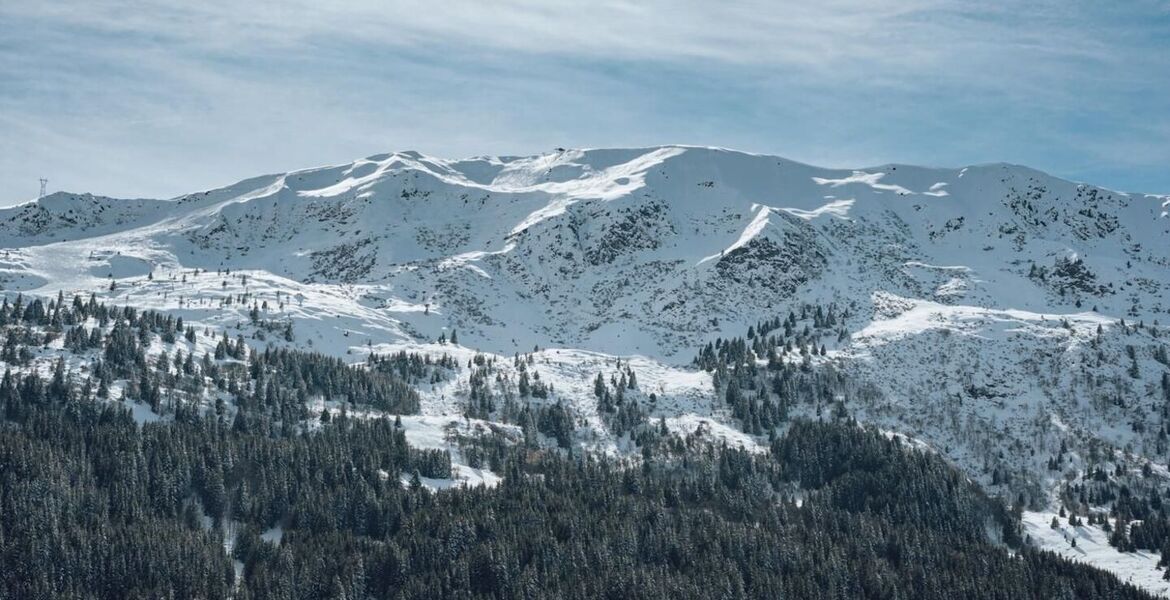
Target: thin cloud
<point>195,94</point>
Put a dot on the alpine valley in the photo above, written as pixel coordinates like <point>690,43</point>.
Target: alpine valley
<point>689,371</point>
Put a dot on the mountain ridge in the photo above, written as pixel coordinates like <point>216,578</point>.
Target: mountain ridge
<point>489,158</point>
<point>607,208</point>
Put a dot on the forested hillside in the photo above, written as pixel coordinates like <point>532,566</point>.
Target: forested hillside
<point>95,505</point>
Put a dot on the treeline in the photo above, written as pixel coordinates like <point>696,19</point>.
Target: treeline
<point>1136,518</point>
<point>618,402</point>
<point>766,373</point>
<point>304,375</point>
<point>528,401</point>
<point>800,333</point>
<point>411,367</point>
<point>116,342</point>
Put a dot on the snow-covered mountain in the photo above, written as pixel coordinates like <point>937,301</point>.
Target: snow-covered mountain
<point>1008,319</point>
<point>647,251</point>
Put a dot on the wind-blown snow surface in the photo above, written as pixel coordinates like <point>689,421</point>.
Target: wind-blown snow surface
<point>985,303</point>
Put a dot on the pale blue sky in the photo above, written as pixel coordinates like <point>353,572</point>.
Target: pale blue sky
<point>159,98</point>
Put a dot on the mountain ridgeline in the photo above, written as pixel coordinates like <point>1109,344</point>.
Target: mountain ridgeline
<point>646,251</point>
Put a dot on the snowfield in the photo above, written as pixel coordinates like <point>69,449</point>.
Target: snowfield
<point>1092,547</point>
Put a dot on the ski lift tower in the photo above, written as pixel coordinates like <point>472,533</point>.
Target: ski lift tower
<point>44,184</point>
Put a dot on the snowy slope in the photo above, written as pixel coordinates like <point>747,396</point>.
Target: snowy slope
<point>624,251</point>
<point>994,307</point>
<point>1092,547</point>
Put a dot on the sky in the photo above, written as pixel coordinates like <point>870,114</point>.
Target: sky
<point>136,98</point>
